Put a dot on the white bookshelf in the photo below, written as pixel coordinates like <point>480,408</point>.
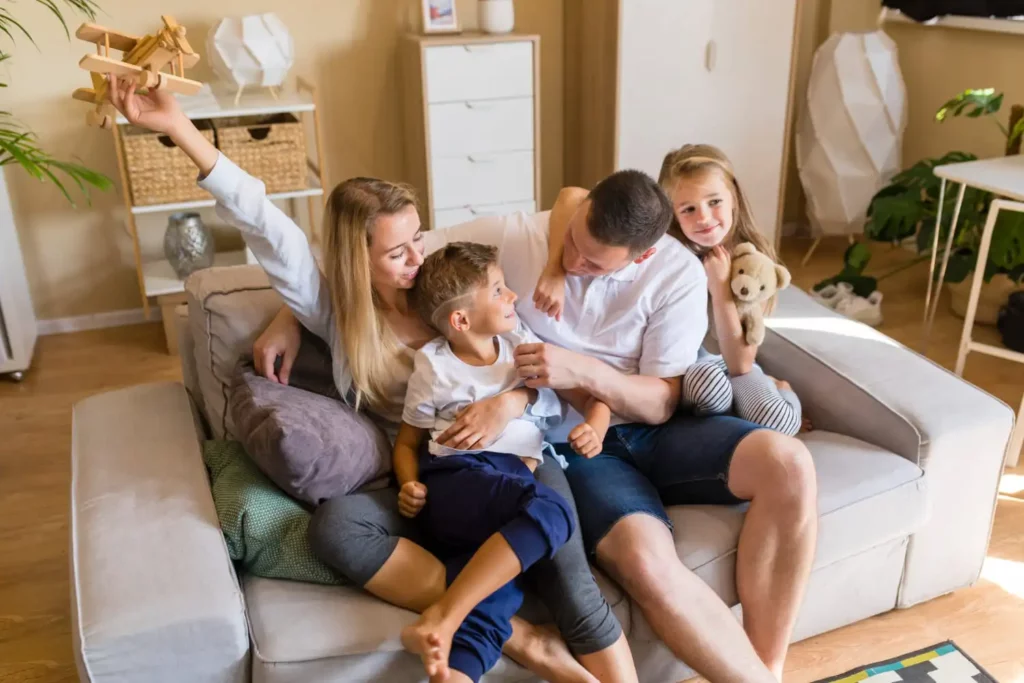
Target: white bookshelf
<point>161,280</point>
<point>990,24</point>
<point>155,277</point>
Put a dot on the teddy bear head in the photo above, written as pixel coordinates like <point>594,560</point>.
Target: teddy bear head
<point>755,276</point>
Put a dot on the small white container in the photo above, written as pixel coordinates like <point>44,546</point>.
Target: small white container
<point>497,16</point>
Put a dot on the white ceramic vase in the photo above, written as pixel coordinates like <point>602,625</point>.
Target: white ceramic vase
<point>497,16</point>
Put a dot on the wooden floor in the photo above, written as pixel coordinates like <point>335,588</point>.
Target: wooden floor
<point>35,422</point>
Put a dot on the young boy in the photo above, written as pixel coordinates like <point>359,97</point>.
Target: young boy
<point>490,518</point>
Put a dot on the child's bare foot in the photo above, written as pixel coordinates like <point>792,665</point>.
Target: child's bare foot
<point>546,654</point>
<point>806,426</point>
<point>431,638</point>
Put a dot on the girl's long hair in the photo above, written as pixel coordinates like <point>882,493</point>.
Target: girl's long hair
<point>370,346</point>
<point>693,162</point>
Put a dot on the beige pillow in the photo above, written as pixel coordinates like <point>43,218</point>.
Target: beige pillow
<point>228,308</point>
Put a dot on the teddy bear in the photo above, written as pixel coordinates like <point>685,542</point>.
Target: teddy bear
<point>755,279</point>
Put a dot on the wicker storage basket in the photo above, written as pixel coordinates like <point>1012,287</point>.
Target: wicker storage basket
<point>158,171</point>
<point>272,149</point>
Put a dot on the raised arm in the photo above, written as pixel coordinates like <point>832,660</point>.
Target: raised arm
<point>277,242</point>
<point>738,354</point>
<point>549,295</point>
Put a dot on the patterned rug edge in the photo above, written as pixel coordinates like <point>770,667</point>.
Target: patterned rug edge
<point>849,676</point>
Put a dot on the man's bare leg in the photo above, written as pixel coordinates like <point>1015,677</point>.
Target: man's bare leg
<point>414,579</point>
<point>614,664</point>
<point>776,547</point>
<point>685,613</point>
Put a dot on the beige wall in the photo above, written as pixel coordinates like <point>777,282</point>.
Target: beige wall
<point>936,63</point>
<point>79,261</point>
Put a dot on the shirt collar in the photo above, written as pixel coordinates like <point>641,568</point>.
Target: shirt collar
<point>627,274</point>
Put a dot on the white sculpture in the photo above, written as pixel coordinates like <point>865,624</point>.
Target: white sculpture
<point>252,50</point>
<point>850,133</point>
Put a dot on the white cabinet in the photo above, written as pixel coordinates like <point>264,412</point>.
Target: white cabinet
<point>471,121</point>
<point>687,71</point>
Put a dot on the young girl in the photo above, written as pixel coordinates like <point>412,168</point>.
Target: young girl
<point>712,216</point>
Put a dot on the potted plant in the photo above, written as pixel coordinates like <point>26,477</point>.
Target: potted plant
<point>908,206</point>
<point>18,144</point>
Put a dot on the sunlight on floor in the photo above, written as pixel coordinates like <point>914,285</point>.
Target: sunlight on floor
<point>1007,574</point>
<point>1011,484</point>
<point>839,326</point>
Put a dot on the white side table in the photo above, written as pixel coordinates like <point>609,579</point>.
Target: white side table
<point>1003,176</point>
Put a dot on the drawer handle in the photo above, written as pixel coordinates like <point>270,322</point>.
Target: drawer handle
<point>479,105</point>
<point>479,160</point>
<point>478,48</point>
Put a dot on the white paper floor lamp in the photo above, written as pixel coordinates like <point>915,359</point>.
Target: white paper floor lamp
<point>850,133</point>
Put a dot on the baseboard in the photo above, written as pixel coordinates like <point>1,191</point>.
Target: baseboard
<point>96,321</point>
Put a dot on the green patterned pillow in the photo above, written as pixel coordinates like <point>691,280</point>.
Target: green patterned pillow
<point>264,528</point>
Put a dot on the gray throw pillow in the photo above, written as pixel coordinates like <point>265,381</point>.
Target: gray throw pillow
<point>312,445</point>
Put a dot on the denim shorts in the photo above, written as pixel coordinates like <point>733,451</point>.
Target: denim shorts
<point>643,468</point>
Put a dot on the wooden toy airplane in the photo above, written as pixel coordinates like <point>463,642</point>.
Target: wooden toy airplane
<point>142,60</point>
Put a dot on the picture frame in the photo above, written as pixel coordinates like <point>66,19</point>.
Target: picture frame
<point>440,16</point>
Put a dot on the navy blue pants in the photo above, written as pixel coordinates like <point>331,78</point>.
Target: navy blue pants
<point>470,497</point>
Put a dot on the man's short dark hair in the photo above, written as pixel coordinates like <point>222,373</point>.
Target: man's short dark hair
<point>629,209</point>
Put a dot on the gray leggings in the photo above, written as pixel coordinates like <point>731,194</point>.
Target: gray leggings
<point>708,389</point>
<point>356,534</point>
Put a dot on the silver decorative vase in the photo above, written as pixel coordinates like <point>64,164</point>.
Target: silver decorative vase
<point>188,244</point>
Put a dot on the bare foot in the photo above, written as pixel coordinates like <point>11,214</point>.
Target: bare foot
<point>806,426</point>
<point>431,638</point>
<point>545,653</point>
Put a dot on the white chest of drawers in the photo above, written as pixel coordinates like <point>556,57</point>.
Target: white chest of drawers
<point>472,125</point>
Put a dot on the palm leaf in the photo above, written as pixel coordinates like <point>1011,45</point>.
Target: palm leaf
<point>18,146</point>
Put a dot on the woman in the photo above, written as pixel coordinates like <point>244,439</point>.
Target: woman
<point>373,247</point>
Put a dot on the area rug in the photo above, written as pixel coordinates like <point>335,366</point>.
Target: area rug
<point>942,663</point>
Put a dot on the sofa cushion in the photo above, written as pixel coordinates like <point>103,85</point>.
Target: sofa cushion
<point>228,308</point>
<point>304,632</point>
<point>312,446</point>
<point>265,530</point>
<point>866,497</point>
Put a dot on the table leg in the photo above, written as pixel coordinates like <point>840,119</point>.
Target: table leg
<point>935,252</point>
<point>945,263</point>
<point>1016,439</point>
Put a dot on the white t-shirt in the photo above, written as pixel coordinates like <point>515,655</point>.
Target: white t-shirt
<point>441,385</point>
<point>648,318</point>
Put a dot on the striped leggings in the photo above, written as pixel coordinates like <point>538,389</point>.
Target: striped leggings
<point>709,390</point>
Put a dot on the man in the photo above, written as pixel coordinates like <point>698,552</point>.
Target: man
<point>635,314</point>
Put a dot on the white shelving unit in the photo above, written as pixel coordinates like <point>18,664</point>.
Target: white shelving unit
<point>991,24</point>
<point>157,279</point>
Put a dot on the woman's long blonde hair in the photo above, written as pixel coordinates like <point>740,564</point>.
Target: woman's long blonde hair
<point>691,162</point>
<point>371,347</point>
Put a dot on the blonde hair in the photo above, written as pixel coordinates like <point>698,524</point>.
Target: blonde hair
<point>694,161</point>
<point>371,348</point>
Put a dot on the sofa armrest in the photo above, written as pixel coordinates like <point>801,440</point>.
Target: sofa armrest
<point>859,382</point>
<point>153,592</point>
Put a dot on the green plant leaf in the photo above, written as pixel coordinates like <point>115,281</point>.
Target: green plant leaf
<point>862,285</point>
<point>1007,249</point>
<point>959,267</point>
<point>893,217</point>
<point>975,103</point>
<point>1018,130</point>
<point>857,257</point>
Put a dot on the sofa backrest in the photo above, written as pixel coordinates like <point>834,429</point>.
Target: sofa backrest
<point>228,308</point>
